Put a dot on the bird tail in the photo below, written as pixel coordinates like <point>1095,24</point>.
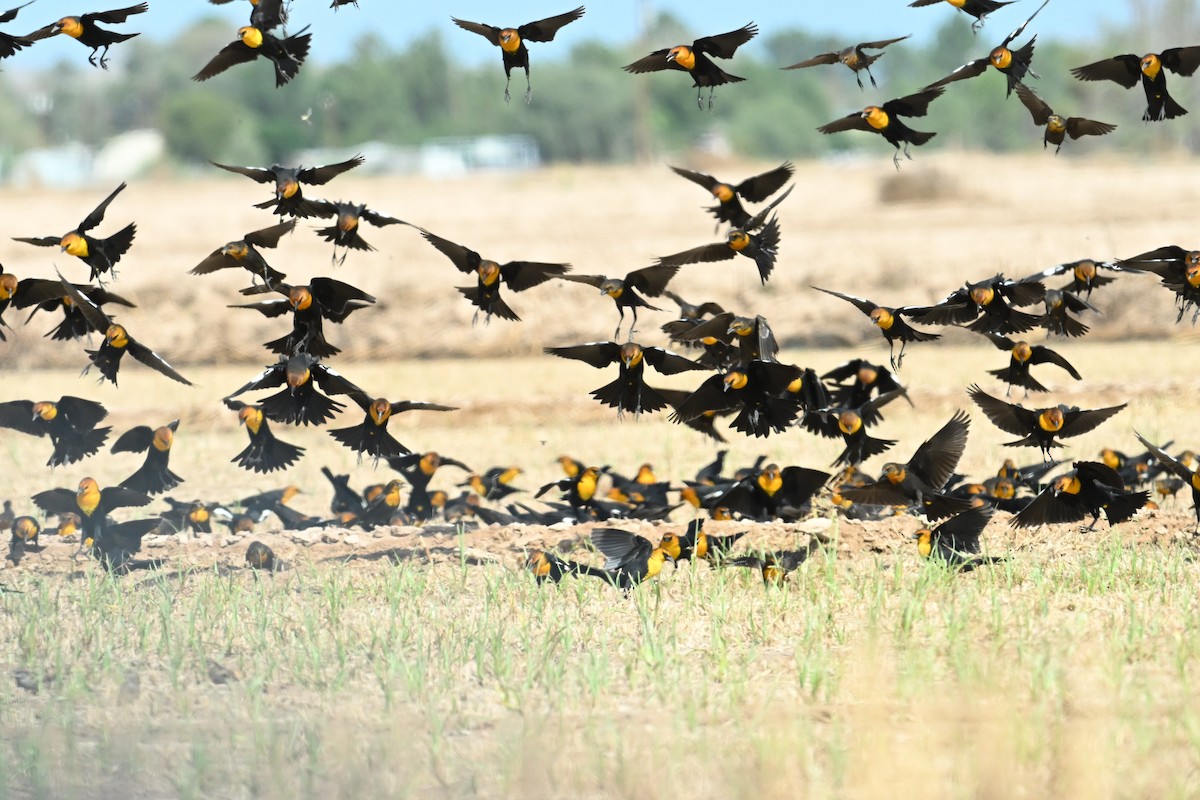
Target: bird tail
<point>920,137</point>
<point>1123,506</point>
<point>1008,375</point>
<point>634,397</point>
<point>88,443</point>
<point>293,52</point>
<point>120,241</point>
<point>497,307</point>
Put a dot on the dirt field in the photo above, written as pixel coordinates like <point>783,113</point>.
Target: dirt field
<point>409,662</point>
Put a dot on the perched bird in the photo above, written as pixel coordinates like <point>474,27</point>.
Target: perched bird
<point>47,295</point>
<point>371,436</point>
<point>1023,355</point>
<point>113,544</point>
<point>345,500</point>
<point>286,55</point>
<point>956,541</point>
<point>579,491</point>
<point>979,9</point>
<point>1013,63</point>
<point>25,532</point>
<point>511,42</point>
<point>629,559</point>
<point>485,295</point>
<point>988,306</point>
<point>1087,489</point>
<point>289,197</point>
<point>1058,127</point>
<point>101,255</point>
<point>1039,427</point>
<point>629,391</point>
<point>853,57</point>
<point>300,402</point>
<point>652,281</point>
<point>70,422</point>
<point>1190,477</point>
<point>244,253</point>
<point>344,232</point>
<point>696,60</point>
<point>758,391</point>
<point>761,247</point>
<point>885,120</point>
<point>776,566</point>
<point>495,483</point>
<point>418,469</point>
<point>84,29</point>
<point>383,509</point>
<point>265,453</point>
<point>310,305</point>
<point>695,543</point>
<point>549,567</point>
<point>261,557</point>
<point>1178,269</point>
<point>1126,69</point>
<point>154,476</point>
<point>11,44</point>
<point>179,516</point>
<point>773,493</point>
<point>729,197</point>
<point>851,425</point>
<point>890,321</point>
<point>117,342</point>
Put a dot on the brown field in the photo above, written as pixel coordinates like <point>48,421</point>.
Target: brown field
<point>409,662</point>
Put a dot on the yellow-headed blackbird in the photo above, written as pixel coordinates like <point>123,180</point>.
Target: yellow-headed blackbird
<point>571,467</point>
<point>117,342</point>
<point>695,543</point>
<point>511,42</point>
<point>289,193</point>
<point>255,39</point>
<point>580,492</point>
<point>485,295</point>
<point>1041,426</point>
<point>70,423</point>
<point>345,500</point>
<point>1178,270</point>
<point>890,321</point>
<point>729,197</point>
<point>1013,63</point>
<point>549,567</point>
<point>25,531</point>
<point>371,436</point>
<point>690,315</point>
<point>259,556</point>
<point>384,509</point>
<point>11,44</point>
<point>1086,274</point>
<point>244,253</point>
<point>979,9</point>
<point>885,120</point>
<point>310,304</point>
<point>761,247</point>
<point>111,543</point>
<point>1058,302</point>
<point>9,287</point>
<point>1022,355</point>
<point>629,559</point>
<point>624,291</point>
<point>47,295</point>
<point>773,493</point>
<point>344,231</point>
<point>1189,476</point>
<point>154,476</point>
<point>1087,489</point>
<point>922,480</point>
<point>419,469</point>
<point>705,422</point>
<point>180,516</point>
<point>84,29</point>
<point>956,541</point>
<point>853,57</point>
<point>851,425</point>
<point>629,391</point>
<point>988,306</point>
<point>101,255</point>
<point>695,60</point>
<point>775,567</point>
<point>757,390</point>
<point>265,453</point>
<point>753,336</point>
<point>866,380</point>
<point>1126,69</point>
<point>1058,127</point>
<point>300,403</point>
<point>495,483</point>
<point>261,504</point>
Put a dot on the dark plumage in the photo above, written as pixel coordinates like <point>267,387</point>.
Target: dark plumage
<point>696,61</point>
<point>511,42</point>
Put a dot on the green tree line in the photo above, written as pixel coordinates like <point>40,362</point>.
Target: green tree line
<point>585,107</point>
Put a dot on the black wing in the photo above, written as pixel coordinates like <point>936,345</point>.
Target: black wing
<point>544,29</point>
<point>522,275</point>
<point>597,354</point>
<point>318,176</point>
<point>154,361</point>
<point>97,216</point>
<point>466,259</point>
<point>724,45</point>
<point>489,32</point>
<point>760,187</point>
<point>1125,70</point>
<point>230,55</point>
<point>116,15</point>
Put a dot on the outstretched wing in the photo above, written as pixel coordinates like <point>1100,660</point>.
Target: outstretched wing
<point>230,55</point>
<point>154,361</point>
<point>1038,108</point>
<point>318,176</point>
<point>116,15</point>
<point>724,45</point>
<point>259,174</point>
<point>466,259</point>
<point>97,216</point>
<point>544,29</point>
<point>1125,70</point>
<point>489,32</point>
<point>760,187</point>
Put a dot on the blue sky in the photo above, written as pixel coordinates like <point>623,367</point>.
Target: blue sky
<point>613,20</point>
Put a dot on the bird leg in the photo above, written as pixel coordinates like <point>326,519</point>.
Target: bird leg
<point>104,58</point>
<point>896,159</point>
<point>633,325</point>
<point>711,89</point>
<point>699,102</point>
<point>617,332</point>
<point>507,96</point>
<point>528,88</point>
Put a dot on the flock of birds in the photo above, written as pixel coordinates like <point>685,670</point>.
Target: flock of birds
<point>745,379</point>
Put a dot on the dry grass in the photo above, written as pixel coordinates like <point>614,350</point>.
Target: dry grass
<point>443,671</point>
